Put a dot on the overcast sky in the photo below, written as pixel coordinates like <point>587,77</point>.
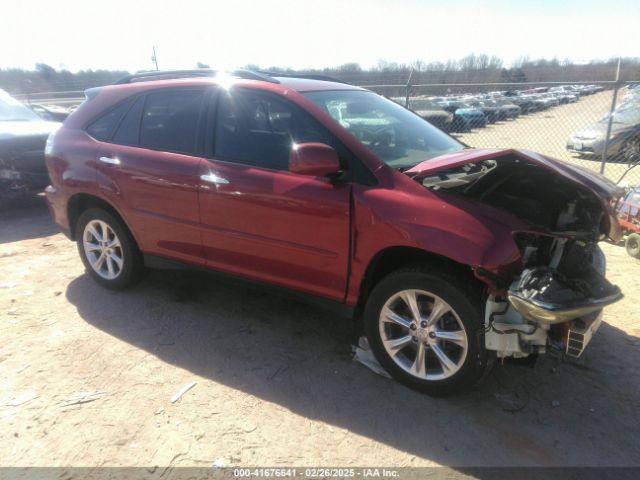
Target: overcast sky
<point>117,34</point>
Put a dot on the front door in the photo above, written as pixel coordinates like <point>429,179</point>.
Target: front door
<point>258,219</point>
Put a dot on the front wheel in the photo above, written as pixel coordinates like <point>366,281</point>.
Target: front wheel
<point>425,329</point>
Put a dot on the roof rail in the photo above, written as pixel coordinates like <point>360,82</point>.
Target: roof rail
<point>200,72</point>
<point>309,76</point>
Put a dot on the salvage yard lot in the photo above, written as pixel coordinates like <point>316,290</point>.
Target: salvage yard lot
<point>88,375</point>
<point>547,132</point>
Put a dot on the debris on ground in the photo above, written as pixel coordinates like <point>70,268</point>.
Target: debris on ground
<point>182,391</point>
<point>82,397</point>
<point>515,400</point>
<point>23,368</point>
<point>364,355</point>
<point>22,399</point>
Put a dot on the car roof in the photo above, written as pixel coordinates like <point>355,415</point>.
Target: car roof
<point>313,85</point>
<point>109,95</point>
<point>300,83</point>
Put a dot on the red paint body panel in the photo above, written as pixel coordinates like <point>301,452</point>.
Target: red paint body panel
<point>159,193</point>
<point>275,226</point>
<point>410,215</point>
<point>296,231</point>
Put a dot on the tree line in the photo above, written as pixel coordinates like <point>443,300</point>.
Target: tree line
<point>469,69</point>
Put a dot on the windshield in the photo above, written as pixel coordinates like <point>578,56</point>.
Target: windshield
<point>629,116</point>
<point>398,137</point>
<point>12,110</point>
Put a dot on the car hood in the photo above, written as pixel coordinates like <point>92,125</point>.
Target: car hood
<point>599,130</point>
<point>604,189</point>
<point>10,130</point>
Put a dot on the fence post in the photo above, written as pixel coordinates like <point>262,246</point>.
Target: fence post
<point>616,87</point>
<point>408,89</point>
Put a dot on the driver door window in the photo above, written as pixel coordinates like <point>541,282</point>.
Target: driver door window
<point>259,129</point>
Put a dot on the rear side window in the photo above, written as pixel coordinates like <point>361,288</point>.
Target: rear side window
<point>256,128</point>
<point>170,120</point>
<point>128,132</point>
<point>103,128</point>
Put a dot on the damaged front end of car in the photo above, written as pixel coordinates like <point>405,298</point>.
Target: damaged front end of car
<point>22,167</point>
<point>553,295</point>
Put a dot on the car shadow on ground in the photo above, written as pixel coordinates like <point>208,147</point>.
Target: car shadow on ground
<point>299,357</point>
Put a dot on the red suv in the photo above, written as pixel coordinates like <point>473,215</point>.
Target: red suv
<point>449,255</point>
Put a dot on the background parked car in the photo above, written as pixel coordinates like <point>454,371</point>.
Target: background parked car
<point>465,117</point>
<point>526,103</point>
<point>624,144</point>
<point>492,112</point>
<point>23,135</point>
<point>511,109</point>
<point>432,113</point>
<point>54,113</point>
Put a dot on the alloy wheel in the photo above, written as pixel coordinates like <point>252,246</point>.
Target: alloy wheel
<point>103,249</point>
<point>423,335</point>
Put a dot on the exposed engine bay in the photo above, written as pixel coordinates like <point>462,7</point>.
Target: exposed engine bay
<point>557,298</point>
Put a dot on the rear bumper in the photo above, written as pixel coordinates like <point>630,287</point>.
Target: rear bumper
<point>58,208</point>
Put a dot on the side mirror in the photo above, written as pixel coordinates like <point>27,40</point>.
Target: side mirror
<point>314,159</point>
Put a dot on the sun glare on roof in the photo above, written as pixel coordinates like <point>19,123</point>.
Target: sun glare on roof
<point>225,80</point>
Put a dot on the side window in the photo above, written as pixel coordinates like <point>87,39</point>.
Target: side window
<point>128,132</point>
<point>102,129</point>
<point>170,120</point>
<point>259,129</point>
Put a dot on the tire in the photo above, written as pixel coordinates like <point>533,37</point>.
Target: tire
<point>462,325</point>
<point>118,244</point>
<point>632,244</point>
<point>630,152</point>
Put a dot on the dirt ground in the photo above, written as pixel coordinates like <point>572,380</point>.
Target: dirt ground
<point>87,378</point>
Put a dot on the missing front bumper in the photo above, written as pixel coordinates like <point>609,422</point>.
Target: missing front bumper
<point>544,295</point>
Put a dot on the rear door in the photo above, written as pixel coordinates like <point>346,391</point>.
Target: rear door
<point>150,169</point>
<point>258,219</point>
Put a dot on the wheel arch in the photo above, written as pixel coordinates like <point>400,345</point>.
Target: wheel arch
<point>393,258</point>
<point>80,202</point>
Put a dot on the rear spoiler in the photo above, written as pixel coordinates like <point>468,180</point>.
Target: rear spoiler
<point>91,93</point>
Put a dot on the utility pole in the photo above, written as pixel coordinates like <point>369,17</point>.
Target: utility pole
<point>408,89</point>
<point>154,58</point>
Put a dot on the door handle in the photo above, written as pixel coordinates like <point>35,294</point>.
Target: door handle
<point>110,160</point>
<point>213,178</point>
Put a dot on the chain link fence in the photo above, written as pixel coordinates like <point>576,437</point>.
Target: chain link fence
<point>593,124</point>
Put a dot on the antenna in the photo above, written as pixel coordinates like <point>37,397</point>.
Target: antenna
<point>154,57</point>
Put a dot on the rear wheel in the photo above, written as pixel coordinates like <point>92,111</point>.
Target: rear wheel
<point>425,329</point>
<point>108,250</point>
<point>633,245</point>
